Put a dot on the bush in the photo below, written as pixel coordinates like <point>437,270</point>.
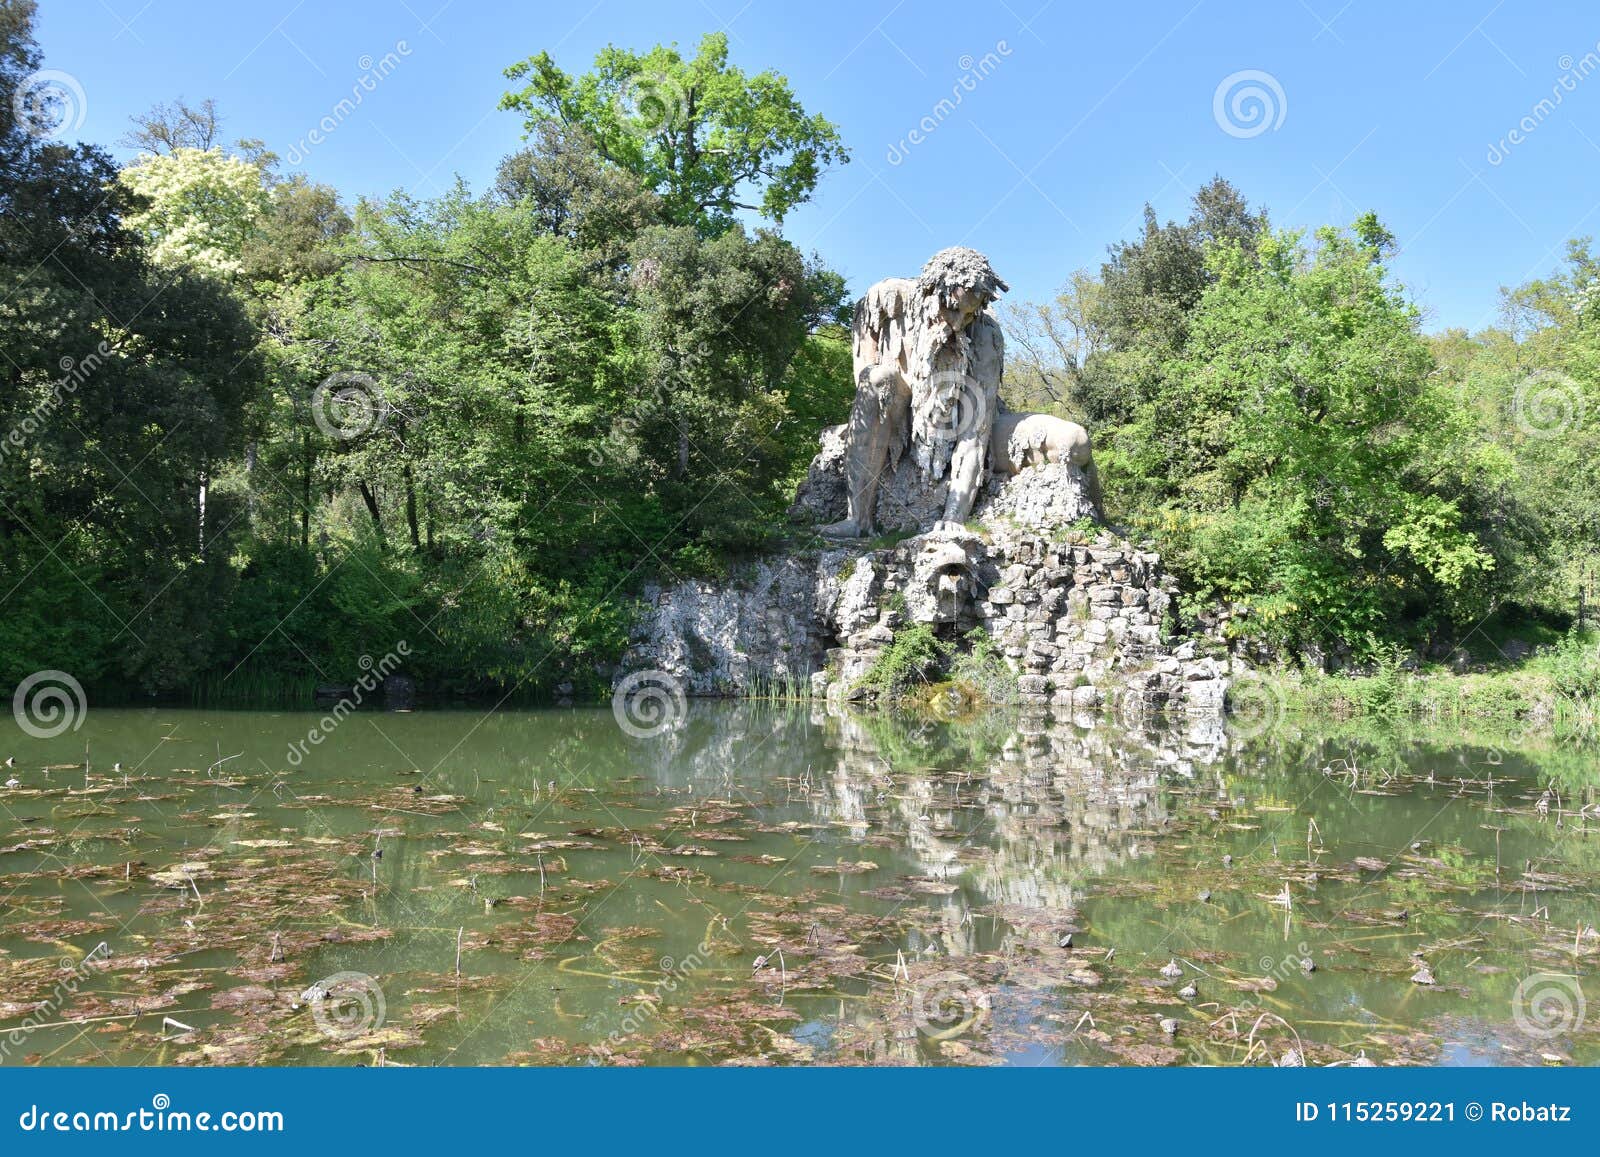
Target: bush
<point>1573,666</point>
<point>914,657</point>
<point>982,672</point>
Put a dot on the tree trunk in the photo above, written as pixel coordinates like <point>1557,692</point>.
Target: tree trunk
<point>305,492</point>
<point>202,505</point>
<point>411,506</point>
<point>371,500</point>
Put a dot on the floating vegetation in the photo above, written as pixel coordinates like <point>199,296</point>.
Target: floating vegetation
<point>955,893</point>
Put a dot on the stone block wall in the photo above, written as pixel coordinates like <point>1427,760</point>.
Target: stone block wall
<point>1080,623</point>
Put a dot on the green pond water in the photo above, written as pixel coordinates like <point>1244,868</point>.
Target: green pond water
<point>763,884</point>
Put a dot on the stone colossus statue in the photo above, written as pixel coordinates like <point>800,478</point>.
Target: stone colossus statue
<point>928,359</point>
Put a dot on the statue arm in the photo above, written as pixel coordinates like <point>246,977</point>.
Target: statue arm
<point>989,354</point>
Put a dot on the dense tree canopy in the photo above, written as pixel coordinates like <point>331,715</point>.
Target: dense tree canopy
<point>1303,455</point>
<point>299,431</point>
<point>126,390</point>
<point>254,431</point>
<point>1267,410</point>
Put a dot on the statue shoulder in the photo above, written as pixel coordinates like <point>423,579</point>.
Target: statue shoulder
<point>890,298</point>
<point>882,318</point>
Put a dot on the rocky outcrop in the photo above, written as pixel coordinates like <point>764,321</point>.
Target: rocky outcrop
<point>1076,613</point>
<point>823,490</point>
<point>1051,499</point>
<point>1082,623</point>
<point>906,499</point>
<point>1078,622</point>
<point>762,631</point>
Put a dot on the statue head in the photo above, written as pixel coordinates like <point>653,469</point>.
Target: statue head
<point>943,581</point>
<point>959,283</point>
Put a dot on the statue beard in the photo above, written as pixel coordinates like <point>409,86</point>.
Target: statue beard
<point>941,351</point>
<point>934,335</point>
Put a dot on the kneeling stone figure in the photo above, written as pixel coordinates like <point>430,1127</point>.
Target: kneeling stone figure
<point>928,359</point>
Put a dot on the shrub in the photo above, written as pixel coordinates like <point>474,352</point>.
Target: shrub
<point>982,672</point>
<point>913,657</point>
<point>1574,666</point>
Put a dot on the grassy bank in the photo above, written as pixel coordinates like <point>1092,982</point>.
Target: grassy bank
<point>1556,687</point>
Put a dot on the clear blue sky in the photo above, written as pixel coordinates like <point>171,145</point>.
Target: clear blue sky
<point>1088,111</point>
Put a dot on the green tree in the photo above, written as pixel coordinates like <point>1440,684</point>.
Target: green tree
<point>719,323</point>
<point>1533,383</point>
<point>707,138</point>
<point>306,431</point>
<point>196,207</point>
<point>126,389</point>
<point>1313,470</point>
<point>1100,349</point>
<point>577,194</point>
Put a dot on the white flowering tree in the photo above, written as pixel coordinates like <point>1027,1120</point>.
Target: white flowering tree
<point>200,207</point>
